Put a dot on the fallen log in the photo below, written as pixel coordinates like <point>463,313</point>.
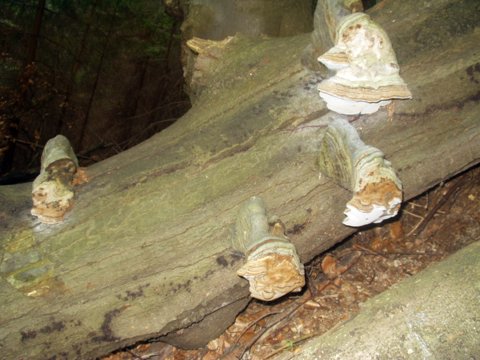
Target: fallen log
<point>146,249</point>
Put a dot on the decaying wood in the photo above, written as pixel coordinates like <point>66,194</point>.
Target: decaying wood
<point>431,315</point>
<point>218,20</point>
<point>145,251</point>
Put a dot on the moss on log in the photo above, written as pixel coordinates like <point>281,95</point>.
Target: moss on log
<point>146,251</point>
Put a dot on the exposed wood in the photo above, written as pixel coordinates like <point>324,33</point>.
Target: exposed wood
<point>146,249</point>
<point>217,20</point>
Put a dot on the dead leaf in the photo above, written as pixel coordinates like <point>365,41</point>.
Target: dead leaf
<point>396,230</point>
<point>329,266</point>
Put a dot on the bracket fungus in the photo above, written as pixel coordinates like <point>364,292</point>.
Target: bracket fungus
<point>273,267</point>
<point>362,169</point>
<point>367,73</point>
<point>52,192</point>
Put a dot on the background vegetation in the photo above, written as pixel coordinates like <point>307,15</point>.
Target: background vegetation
<point>106,74</point>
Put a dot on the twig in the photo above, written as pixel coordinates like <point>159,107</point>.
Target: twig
<point>413,214</point>
<point>452,187</point>
<point>367,250</point>
<point>25,142</point>
<point>281,320</point>
<point>254,322</point>
<point>237,353</point>
<point>413,204</point>
<point>417,224</point>
<point>396,253</point>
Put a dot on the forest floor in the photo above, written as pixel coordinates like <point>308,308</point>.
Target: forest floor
<point>431,227</point>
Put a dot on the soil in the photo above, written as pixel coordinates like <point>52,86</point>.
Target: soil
<point>430,227</point>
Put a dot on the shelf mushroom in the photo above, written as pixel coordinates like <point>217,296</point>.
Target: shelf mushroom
<point>273,267</point>
<point>52,192</point>
<point>367,73</point>
<point>344,157</point>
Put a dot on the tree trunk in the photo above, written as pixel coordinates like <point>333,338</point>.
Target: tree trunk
<point>10,125</point>
<point>146,251</point>
<point>35,34</point>
<point>77,64</point>
<point>85,124</point>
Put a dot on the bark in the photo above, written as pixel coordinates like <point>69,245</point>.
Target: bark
<point>432,315</point>
<point>217,19</point>
<point>145,250</point>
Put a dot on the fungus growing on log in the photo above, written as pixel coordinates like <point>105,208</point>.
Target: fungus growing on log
<point>328,13</point>
<point>52,192</point>
<point>377,191</point>
<point>367,73</point>
<point>273,267</point>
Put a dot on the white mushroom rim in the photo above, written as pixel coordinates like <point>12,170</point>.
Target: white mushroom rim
<point>377,214</point>
<point>351,107</point>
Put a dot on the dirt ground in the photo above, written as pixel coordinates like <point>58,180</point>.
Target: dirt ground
<point>431,227</point>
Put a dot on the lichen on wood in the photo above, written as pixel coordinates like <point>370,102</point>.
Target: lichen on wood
<point>23,266</point>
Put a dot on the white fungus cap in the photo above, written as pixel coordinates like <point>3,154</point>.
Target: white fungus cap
<point>351,107</point>
<point>367,73</point>
<point>378,213</point>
